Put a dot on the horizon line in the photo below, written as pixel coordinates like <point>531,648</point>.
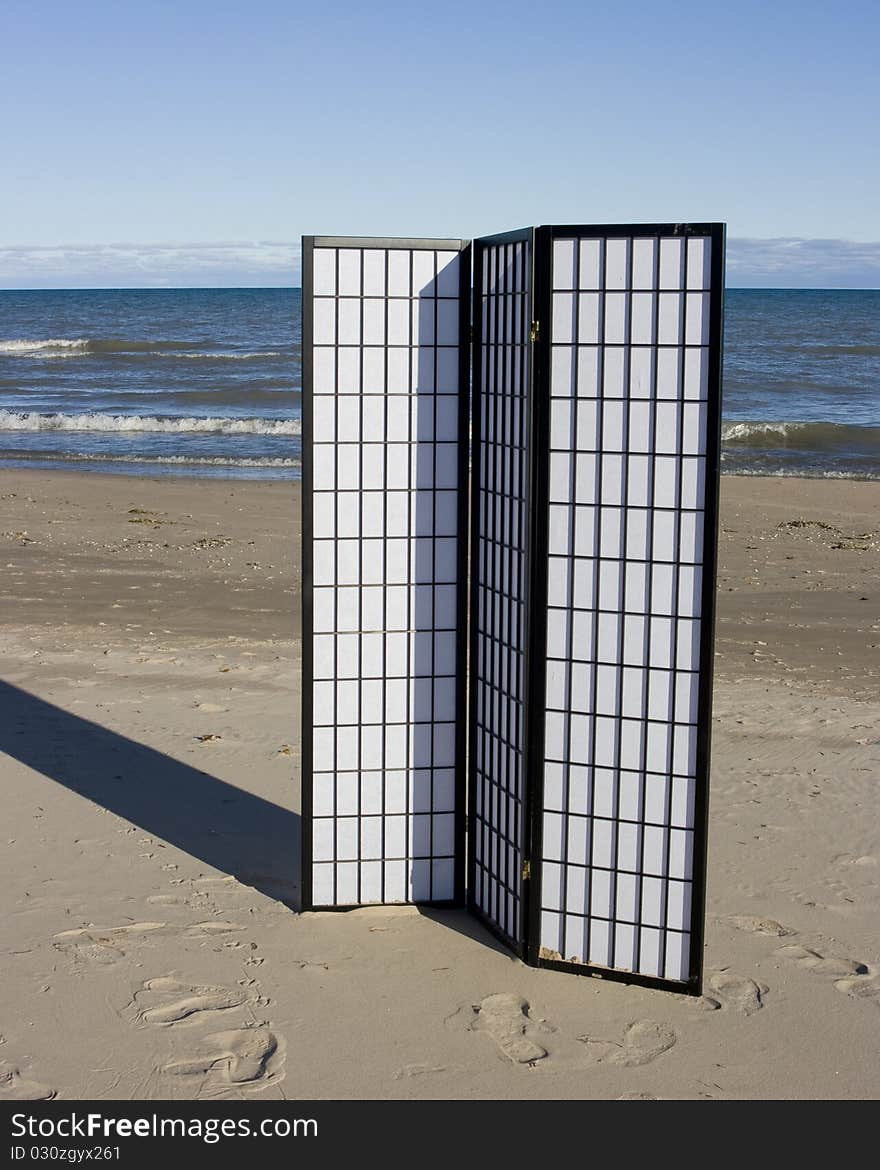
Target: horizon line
<point>298,288</point>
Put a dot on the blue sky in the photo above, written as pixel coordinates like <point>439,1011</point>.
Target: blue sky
<point>194,142</point>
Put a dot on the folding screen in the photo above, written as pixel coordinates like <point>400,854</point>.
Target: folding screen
<point>595,433</point>
<point>384,569</point>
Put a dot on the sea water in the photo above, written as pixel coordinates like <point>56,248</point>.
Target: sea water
<point>152,381</point>
<point>208,381</point>
<point>801,388</point>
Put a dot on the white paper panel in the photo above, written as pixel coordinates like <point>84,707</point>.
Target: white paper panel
<point>625,529</point>
<point>497,669</point>
<point>387,682</point>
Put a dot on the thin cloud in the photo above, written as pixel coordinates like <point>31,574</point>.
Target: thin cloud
<point>779,263</point>
<point>151,265</point>
<point>799,263</point>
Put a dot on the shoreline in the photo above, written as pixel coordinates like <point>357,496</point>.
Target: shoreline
<point>37,468</point>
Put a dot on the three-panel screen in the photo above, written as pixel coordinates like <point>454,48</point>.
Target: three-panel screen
<point>569,389</point>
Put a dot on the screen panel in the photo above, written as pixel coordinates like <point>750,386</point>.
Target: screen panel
<point>499,581</point>
<point>384,602</point>
<point>630,416</point>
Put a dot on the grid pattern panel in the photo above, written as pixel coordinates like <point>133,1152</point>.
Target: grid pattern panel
<point>499,592</point>
<point>629,369</point>
<point>386,474</point>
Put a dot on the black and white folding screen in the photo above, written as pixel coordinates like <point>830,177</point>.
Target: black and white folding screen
<point>595,419</point>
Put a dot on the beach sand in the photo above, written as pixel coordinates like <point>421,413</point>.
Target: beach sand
<point>149,725</point>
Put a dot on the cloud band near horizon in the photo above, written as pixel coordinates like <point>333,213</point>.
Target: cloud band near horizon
<point>751,263</point>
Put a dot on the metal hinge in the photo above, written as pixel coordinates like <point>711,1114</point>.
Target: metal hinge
<point>535,331</point>
<point>526,870</point>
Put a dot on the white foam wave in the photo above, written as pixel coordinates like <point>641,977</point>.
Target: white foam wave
<point>798,473</point>
<point>54,347</point>
<point>50,344</point>
<point>10,421</point>
<point>746,430</point>
<point>182,460</point>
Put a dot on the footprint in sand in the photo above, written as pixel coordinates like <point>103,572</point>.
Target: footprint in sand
<point>751,925</point>
<point>105,934</point>
<point>738,991</point>
<point>845,860</point>
<point>15,1087</point>
<point>113,936</point>
<point>505,1018</point>
<point>643,1041</point>
<point>863,988</point>
<point>410,1071</point>
<point>89,954</point>
<point>212,926</point>
<point>100,946</point>
<point>827,965</point>
<point>166,1000</point>
<point>704,1003</point>
<point>247,1057</point>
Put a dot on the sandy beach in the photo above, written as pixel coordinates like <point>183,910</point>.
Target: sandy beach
<point>149,761</point>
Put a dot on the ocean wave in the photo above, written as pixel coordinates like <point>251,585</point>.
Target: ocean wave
<point>49,345</point>
<point>801,473</point>
<point>11,421</point>
<point>175,460</point>
<point>84,346</point>
<point>804,436</point>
